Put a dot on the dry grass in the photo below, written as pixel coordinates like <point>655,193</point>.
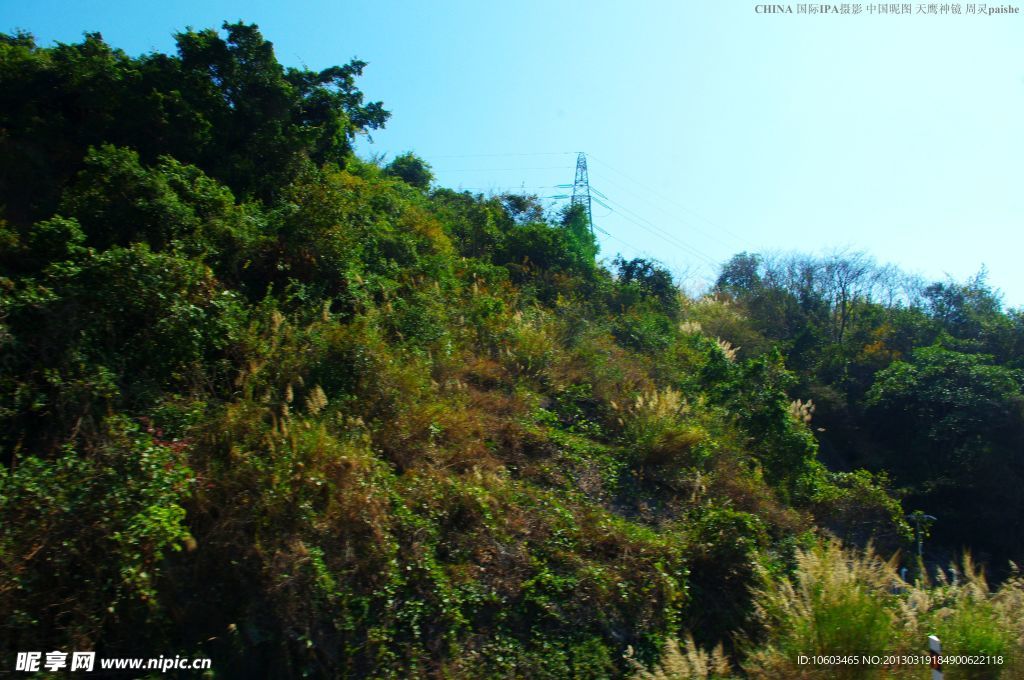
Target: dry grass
<point>847,602</point>
<point>688,662</point>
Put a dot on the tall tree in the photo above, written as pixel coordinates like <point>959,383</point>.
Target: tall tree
<point>223,103</point>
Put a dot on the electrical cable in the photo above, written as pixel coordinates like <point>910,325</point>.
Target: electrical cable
<point>657,231</point>
<point>666,199</point>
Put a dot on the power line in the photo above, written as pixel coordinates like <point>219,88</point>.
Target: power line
<point>670,241</point>
<point>666,236</point>
<point>669,238</point>
<point>635,249</point>
<point>718,229</point>
<point>717,226</point>
<point>506,155</point>
<point>651,229</point>
<point>502,189</point>
<point>550,167</point>
<point>676,216</point>
<point>582,196</point>
<point>668,200</point>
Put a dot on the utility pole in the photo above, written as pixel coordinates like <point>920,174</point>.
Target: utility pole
<point>921,523</point>
<point>581,188</point>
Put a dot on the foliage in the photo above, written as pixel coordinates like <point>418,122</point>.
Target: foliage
<point>839,601</point>
<point>913,380</point>
<point>957,421</point>
<point>687,663</point>
<point>412,170</point>
<point>264,401</point>
<point>85,538</point>
<point>222,103</point>
<point>837,605</point>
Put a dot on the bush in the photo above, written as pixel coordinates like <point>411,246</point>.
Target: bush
<point>83,537</point>
<point>842,602</point>
<point>839,603</point>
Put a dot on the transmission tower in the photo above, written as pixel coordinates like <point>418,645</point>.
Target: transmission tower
<point>581,188</point>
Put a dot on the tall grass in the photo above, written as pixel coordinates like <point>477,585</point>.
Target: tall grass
<point>971,619</point>
<point>688,662</point>
<point>841,602</point>
<point>838,603</point>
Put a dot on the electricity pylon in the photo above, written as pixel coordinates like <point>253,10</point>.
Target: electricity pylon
<point>581,188</point>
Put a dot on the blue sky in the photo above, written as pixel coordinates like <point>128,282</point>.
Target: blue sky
<point>711,128</point>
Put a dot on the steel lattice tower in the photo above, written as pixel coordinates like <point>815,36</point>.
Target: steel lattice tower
<point>581,188</point>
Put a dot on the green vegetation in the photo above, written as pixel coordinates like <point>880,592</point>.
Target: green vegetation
<point>310,416</point>
<point>840,601</point>
<point>922,383</point>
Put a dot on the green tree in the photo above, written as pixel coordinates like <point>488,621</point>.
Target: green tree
<point>951,425</point>
<point>411,169</point>
<point>651,279</point>
<point>580,232</point>
<point>224,104</point>
<point>740,275</point>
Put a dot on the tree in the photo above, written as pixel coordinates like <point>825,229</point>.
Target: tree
<point>523,208</point>
<point>577,226</point>
<point>952,425</point>
<point>652,280</point>
<point>412,170</point>
<point>224,104</point>
<point>971,313</point>
<point>740,274</point>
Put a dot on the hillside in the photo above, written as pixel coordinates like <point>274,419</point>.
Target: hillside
<point>308,415</point>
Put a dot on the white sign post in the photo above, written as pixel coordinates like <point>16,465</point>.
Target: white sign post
<point>935,652</point>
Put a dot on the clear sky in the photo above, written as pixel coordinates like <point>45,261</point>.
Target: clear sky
<point>711,128</point>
